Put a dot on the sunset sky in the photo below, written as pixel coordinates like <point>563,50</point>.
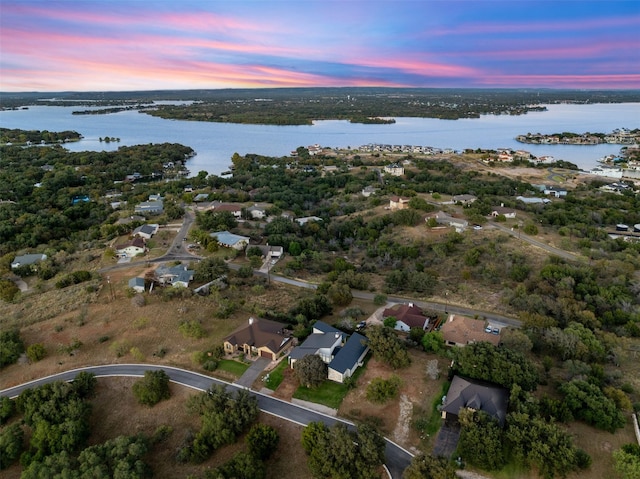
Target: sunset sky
<point>88,45</point>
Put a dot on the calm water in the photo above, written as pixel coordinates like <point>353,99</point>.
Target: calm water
<point>215,143</point>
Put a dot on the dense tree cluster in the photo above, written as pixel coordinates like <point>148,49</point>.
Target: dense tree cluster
<point>502,366</point>
<point>339,453</point>
<point>223,417</point>
<point>11,347</point>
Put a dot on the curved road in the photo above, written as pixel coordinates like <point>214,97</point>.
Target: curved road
<point>397,459</point>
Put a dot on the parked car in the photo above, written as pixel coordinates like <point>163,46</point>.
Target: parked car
<point>487,329</point>
<point>495,331</point>
<point>361,325</point>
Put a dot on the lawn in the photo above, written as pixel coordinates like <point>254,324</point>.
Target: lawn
<point>329,393</point>
<point>276,376</point>
<point>233,367</point>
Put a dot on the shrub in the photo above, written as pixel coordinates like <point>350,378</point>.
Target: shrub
<point>379,299</point>
<point>191,329</point>
<point>36,352</point>
<point>381,390</point>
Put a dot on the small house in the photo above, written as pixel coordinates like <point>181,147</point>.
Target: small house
<point>407,316</point>
<point>460,331</point>
<point>27,259</point>
<point>230,240</point>
<point>137,284</point>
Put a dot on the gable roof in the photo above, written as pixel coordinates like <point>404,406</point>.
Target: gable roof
<point>350,353</point>
<point>139,282</point>
<point>260,333</point>
<point>229,239</point>
<point>26,259</point>
<point>463,330</point>
<point>409,314</point>
<point>466,393</point>
<point>136,242</point>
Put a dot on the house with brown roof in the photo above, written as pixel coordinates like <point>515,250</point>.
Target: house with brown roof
<point>460,331</point>
<point>133,248</point>
<point>407,316</point>
<point>259,337</point>
<point>502,210</point>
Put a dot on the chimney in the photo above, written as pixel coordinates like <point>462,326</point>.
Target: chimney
<point>411,305</point>
<point>337,334</point>
<point>251,320</point>
<point>502,205</point>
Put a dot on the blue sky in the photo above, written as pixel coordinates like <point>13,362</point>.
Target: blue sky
<point>89,45</point>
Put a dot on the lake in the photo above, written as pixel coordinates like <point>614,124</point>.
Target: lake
<point>215,143</point>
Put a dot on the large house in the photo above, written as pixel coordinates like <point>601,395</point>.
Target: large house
<point>394,170</point>
<point>460,331</point>
<point>260,337</point>
<point>476,395</point>
<point>407,316</point>
<point>230,240</point>
<point>153,207</point>
<point>27,259</point>
<point>342,357</point>
<point>348,359</point>
<point>323,341</point>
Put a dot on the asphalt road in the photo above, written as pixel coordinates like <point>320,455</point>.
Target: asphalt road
<point>397,459</point>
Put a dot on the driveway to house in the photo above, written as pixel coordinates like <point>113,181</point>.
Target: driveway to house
<point>397,459</point>
<point>251,374</point>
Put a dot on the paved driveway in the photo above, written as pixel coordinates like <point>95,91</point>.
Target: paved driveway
<point>447,440</point>
<point>251,374</point>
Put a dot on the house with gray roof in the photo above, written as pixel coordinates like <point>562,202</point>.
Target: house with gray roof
<point>349,358</point>
<point>137,284</point>
<point>477,395</point>
<point>175,276</point>
<point>322,342</point>
<point>154,207</point>
<point>146,231</point>
<point>230,240</point>
<point>27,259</point>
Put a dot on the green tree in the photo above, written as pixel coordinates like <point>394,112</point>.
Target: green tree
<point>241,466</point>
<point>387,347</point>
<point>340,294</point>
<point>153,388</point>
<point>209,269</point>
<point>7,408</point>
<point>11,438</point>
<point>627,461</point>
<point>433,342</point>
<point>8,290</point>
<point>587,402</point>
<point>11,347</point>
<point>262,440</point>
<point>311,370</point>
<point>85,384</point>
<point>502,366</point>
<point>426,466</point>
<point>481,441</point>
<point>390,322</point>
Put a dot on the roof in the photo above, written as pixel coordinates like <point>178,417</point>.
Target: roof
<point>227,207</point>
<point>146,229</point>
<point>133,282</point>
<point>259,333</point>
<point>465,393</point>
<point>407,313</point>
<point>136,242</point>
<point>26,259</point>
<point>502,210</point>
<point>399,199</point>
<point>463,330</point>
<point>229,239</point>
<point>350,353</point>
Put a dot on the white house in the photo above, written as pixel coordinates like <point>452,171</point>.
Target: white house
<point>394,170</point>
<point>230,240</point>
<point>133,248</point>
<point>146,231</point>
<point>348,359</point>
<point>502,210</point>
<point>398,203</point>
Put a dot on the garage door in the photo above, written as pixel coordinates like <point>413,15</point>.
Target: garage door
<point>266,354</point>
